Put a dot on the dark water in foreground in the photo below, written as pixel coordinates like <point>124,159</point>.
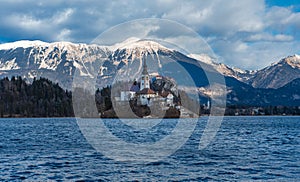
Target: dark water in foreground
<point>245,148</point>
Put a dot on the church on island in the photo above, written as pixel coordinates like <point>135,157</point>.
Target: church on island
<point>144,95</point>
<point>150,97</point>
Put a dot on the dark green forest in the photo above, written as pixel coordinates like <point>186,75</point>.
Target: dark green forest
<point>42,98</point>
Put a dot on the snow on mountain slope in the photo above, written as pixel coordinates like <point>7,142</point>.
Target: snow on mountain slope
<point>134,43</point>
<point>23,44</point>
<point>239,74</point>
<point>131,53</point>
<point>56,61</point>
<point>38,55</point>
<point>293,61</point>
<point>145,45</point>
<point>275,76</point>
<point>278,74</point>
<point>59,60</point>
<point>9,65</point>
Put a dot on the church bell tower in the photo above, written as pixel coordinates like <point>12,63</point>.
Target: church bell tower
<point>145,82</point>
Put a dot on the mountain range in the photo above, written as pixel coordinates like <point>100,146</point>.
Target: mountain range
<point>58,61</point>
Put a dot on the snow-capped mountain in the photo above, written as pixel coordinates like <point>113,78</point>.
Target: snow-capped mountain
<point>278,74</point>
<point>132,50</point>
<point>239,74</point>
<point>275,76</point>
<point>58,61</point>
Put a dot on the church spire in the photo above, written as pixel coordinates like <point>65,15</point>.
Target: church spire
<point>145,81</point>
<point>145,71</point>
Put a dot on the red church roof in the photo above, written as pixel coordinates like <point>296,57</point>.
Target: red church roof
<point>146,91</point>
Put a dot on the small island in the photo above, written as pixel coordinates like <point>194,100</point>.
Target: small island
<point>150,97</point>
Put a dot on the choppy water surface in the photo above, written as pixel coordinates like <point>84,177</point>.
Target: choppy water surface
<point>245,148</point>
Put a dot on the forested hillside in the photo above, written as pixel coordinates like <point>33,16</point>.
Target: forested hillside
<point>42,98</point>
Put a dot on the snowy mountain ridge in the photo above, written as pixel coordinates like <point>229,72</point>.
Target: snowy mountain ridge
<point>56,61</point>
<point>38,43</point>
<point>134,43</point>
<point>23,44</point>
<point>293,61</point>
<point>237,73</point>
<point>278,74</point>
<point>59,60</point>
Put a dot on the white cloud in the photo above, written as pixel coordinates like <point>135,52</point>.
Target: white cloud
<point>42,26</point>
<point>281,18</point>
<point>270,37</point>
<point>220,17</point>
<point>25,22</point>
<point>62,17</point>
<point>256,55</point>
<point>242,32</point>
<point>64,35</point>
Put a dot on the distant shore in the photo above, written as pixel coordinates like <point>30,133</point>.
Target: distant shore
<point>20,117</point>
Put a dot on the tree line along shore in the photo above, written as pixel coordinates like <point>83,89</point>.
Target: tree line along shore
<point>43,98</point>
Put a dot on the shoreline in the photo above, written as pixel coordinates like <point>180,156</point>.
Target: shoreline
<point>149,118</point>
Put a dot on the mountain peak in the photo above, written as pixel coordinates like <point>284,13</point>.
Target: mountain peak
<point>278,74</point>
<point>38,43</point>
<point>23,44</point>
<point>293,61</point>
<point>136,43</point>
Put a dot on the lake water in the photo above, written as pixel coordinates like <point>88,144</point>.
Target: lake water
<point>245,148</point>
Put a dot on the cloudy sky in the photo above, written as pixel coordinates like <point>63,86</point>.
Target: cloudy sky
<point>248,34</point>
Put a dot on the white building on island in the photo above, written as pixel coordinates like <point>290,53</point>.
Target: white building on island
<point>145,93</point>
